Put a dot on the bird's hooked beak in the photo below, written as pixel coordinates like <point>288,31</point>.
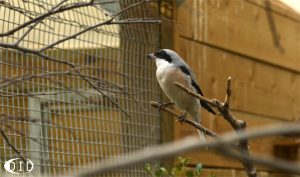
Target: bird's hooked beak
<point>151,56</point>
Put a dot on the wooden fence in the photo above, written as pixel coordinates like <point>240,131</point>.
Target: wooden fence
<point>255,42</point>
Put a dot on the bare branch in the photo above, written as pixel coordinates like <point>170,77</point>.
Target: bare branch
<point>33,138</point>
<point>188,121</point>
<point>37,22</point>
<point>68,72</point>
<point>228,93</point>
<point>136,21</point>
<point>31,94</point>
<point>26,119</point>
<point>100,91</point>
<point>34,52</point>
<point>12,146</point>
<point>55,10</point>
<point>237,125</point>
<point>45,15</point>
<point>28,26</point>
<point>106,22</point>
<point>191,92</point>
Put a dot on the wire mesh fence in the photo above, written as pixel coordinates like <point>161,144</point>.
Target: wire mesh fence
<point>61,117</point>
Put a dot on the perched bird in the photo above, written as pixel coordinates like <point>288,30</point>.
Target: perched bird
<point>172,68</point>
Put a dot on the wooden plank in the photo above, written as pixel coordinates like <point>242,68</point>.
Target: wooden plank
<point>282,175</point>
<point>240,173</point>
<point>278,7</point>
<point>288,141</point>
<point>257,88</point>
<point>244,28</point>
<point>296,99</point>
<point>228,172</point>
<point>260,94</point>
<point>182,14</point>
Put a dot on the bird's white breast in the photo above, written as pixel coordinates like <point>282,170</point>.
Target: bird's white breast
<point>167,74</point>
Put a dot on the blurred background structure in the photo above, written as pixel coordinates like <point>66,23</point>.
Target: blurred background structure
<point>257,42</point>
<point>53,116</point>
<point>61,122</point>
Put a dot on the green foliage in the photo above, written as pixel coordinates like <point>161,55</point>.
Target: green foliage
<point>180,169</point>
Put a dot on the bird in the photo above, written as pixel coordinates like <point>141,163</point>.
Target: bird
<point>170,68</point>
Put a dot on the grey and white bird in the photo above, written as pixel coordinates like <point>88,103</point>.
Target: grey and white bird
<point>172,68</point>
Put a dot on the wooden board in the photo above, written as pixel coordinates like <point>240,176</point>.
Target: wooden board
<point>258,88</point>
<point>278,7</point>
<point>242,27</point>
<point>239,173</point>
<point>262,94</point>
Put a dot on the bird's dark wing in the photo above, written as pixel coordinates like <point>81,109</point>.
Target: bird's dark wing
<point>203,103</point>
<point>185,70</point>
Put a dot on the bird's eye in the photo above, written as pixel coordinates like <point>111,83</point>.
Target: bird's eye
<point>158,52</point>
<point>162,54</point>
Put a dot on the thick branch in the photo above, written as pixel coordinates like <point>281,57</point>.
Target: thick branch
<point>236,124</point>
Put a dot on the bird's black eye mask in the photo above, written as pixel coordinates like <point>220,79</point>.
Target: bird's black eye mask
<point>163,55</point>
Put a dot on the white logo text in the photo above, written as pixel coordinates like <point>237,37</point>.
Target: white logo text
<point>18,166</point>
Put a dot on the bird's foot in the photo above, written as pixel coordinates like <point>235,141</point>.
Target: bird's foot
<point>182,118</point>
<point>164,105</point>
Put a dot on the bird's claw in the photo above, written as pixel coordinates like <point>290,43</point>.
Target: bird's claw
<point>182,118</point>
<point>164,105</point>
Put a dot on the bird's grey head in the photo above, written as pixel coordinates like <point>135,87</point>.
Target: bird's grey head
<point>167,55</point>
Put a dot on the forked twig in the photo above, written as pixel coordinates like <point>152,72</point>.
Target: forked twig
<point>236,124</point>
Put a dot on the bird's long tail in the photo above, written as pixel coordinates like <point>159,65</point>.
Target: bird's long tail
<point>202,136</point>
<point>196,117</point>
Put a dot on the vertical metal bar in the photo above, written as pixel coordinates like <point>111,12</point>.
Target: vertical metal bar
<point>34,106</point>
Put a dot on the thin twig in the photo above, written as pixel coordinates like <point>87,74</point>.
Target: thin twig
<point>62,9</point>
<point>187,120</point>
<point>37,22</point>
<point>100,91</point>
<point>30,138</point>
<point>12,146</point>
<point>191,92</point>
<point>45,15</point>
<point>106,22</point>
<point>31,94</point>
<point>35,52</point>
<point>5,118</point>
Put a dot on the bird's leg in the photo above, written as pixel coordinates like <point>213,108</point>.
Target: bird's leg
<point>182,117</point>
<point>163,105</point>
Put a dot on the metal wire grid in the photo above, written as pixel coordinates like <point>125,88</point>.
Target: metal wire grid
<point>58,120</point>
